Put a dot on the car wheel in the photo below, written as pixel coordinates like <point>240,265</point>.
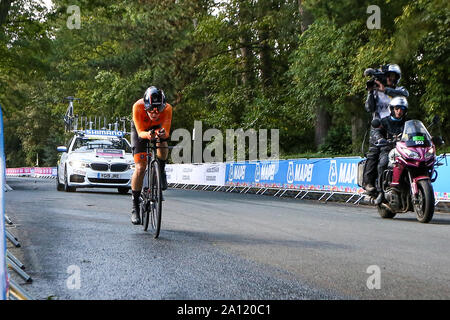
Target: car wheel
<point>59,186</point>
<point>67,188</point>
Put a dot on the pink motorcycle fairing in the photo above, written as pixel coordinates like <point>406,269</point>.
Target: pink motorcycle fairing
<point>415,150</point>
<point>416,161</point>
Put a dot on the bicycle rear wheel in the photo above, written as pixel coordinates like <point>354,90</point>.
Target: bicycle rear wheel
<point>155,199</point>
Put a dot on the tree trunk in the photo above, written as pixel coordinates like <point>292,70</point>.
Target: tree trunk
<point>245,39</point>
<point>323,122</point>
<point>359,125</point>
<point>266,60</point>
<point>5,5</point>
<point>265,50</point>
<point>357,133</point>
<point>323,119</point>
<point>306,17</point>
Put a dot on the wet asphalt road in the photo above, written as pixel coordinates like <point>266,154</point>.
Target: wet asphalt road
<point>221,246</point>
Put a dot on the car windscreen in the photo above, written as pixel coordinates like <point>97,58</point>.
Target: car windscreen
<point>88,144</point>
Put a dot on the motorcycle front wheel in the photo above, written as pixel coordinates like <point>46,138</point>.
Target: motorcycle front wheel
<point>424,207</point>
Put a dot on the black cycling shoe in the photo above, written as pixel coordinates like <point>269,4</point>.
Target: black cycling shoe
<point>135,216</point>
<point>163,180</point>
<point>162,170</point>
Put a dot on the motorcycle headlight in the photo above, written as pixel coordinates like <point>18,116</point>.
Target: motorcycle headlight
<point>411,154</point>
<point>79,164</point>
<point>430,153</point>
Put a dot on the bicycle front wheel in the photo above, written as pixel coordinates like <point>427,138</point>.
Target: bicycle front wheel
<point>156,199</point>
<point>145,210</point>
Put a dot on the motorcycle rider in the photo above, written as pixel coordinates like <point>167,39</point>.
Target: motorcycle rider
<point>378,99</point>
<point>390,127</point>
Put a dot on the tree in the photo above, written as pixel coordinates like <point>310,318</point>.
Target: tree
<point>294,65</point>
<point>422,43</point>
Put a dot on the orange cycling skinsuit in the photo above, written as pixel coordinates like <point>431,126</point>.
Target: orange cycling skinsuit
<point>142,124</point>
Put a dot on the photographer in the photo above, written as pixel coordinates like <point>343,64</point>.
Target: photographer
<point>381,89</point>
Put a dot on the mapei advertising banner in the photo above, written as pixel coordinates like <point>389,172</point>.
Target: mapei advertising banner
<point>442,184</point>
<point>335,174</point>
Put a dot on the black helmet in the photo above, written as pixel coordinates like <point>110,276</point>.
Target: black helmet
<point>154,98</point>
<point>399,102</point>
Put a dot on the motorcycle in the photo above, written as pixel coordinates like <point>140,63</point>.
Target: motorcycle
<point>407,182</point>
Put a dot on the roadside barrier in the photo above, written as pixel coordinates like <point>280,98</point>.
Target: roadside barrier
<point>32,172</point>
<point>322,179</point>
<point>3,270</point>
<point>8,287</point>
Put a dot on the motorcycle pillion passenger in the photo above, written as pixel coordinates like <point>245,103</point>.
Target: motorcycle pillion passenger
<point>150,112</point>
<point>389,127</point>
<point>378,103</point>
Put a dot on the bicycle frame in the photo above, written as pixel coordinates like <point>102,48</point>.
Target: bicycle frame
<point>151,157</point>
<point>151,207</point>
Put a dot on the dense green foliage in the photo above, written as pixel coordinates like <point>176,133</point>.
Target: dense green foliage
<point>287,64</point>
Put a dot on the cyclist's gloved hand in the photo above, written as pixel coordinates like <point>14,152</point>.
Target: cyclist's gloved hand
<point>381,142</point>
<point>151,134</point>
<point>162,133</point>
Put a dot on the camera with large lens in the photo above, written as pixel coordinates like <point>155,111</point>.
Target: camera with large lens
<point>376,74</point>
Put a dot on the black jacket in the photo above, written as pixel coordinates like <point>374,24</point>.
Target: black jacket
<point>389,128</point>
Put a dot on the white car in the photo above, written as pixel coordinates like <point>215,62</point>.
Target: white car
<point>95,159</point>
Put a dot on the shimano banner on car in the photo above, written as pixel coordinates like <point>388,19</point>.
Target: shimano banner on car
<point>3,272</point>
<point>337,174</point>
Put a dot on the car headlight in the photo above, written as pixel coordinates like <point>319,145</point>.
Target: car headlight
<point>78,164</point>
<point>131,166</point>
<point>430,153</point>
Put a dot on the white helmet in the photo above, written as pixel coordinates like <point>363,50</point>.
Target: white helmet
<point>396,69</point>
<point>399,102</point>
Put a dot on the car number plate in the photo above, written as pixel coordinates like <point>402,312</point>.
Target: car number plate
<point>109,175</point>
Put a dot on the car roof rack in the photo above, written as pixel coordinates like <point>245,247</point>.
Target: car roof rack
<point>76,123</point>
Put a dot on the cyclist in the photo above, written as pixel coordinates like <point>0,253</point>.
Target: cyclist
<point>150,112</point>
